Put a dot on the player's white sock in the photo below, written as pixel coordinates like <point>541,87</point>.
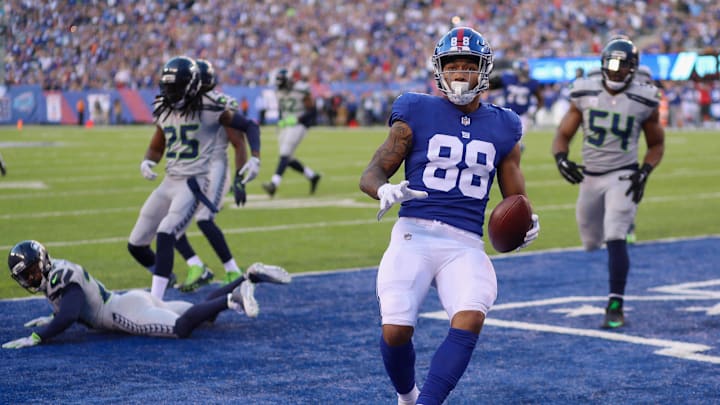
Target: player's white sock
<point>159,284</point>
<point>410,397</point>
<point>275,179</point>
<point>309,173</point>
<point>230,265</point>
<point>195,261</point>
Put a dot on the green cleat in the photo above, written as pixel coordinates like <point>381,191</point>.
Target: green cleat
<point>614,317</point>
<point>197,277</point>
<point>231,276</point>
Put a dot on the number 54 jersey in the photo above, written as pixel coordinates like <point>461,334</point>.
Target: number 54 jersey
<point>454,157</point>
<point>611,123</point>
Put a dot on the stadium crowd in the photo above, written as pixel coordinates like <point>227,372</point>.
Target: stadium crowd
<point>103,44</point>
<point>81,44</point>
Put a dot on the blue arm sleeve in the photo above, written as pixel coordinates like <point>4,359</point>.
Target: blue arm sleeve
<point>308,119</point>
<point>251,129</point>
<point>71,304</point>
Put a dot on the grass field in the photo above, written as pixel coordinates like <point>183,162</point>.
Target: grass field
<point>79,191</point>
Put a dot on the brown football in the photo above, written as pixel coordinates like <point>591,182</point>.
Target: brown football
<point>509,222</point>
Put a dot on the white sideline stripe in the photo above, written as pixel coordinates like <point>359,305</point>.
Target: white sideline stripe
<point>25,185</point>
<point>671,348</point>
<point>233,231</point>
<point>263,202</point>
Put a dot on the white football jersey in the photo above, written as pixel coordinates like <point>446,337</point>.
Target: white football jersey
<point>63,274</point>
<point>190,139</point>
<point>292,102</point>
<point>612,123</point>
<point>221,144</point>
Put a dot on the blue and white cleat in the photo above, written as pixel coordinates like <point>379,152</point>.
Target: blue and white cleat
<point>267,273</point>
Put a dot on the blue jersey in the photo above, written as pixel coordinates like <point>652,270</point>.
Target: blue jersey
<point>518,94</point>
<point>454,157</point>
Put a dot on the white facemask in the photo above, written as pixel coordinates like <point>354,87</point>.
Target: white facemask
<point>460,94</point>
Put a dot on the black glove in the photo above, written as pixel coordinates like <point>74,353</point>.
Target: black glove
<point>569,169</point>
<point>637,182</point>
<point>238,189</point>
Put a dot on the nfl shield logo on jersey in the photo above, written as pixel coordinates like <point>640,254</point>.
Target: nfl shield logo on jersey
<point>465,120</point>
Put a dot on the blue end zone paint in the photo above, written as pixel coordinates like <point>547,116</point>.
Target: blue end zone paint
<point>315,342</point>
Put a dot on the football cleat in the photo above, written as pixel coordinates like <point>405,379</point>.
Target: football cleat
<point>197,276</point>
<point>314,182</point>
<point>242,300</point>
<point>3,169</point>
<point>614,317</point>
<point>269,188</point>
<point>231,276</point>
<point>267,273</point>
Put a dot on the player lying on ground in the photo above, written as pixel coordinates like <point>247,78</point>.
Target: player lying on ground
<point>78,297</point>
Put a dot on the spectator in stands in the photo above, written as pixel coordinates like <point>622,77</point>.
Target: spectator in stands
<point>80,107</point>
<point>109,41</point>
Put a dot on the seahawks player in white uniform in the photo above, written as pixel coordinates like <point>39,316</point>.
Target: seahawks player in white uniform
<point>452,147</point>
<point>297,113</point>
<point>219,184</point>
<point>76,296</point>
<point>612,111</point>
<point>186,133</point>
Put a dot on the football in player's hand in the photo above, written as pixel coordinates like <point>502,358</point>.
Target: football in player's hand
<point>509,222</point>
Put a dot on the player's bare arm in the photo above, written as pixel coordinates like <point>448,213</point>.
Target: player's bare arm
<point>237,139</point>
<point>566,130</point>
<point>510,178</point>
<point>157,146</point>
<point>387,159</point>
<point>540,98</point>
<point>654,138</point>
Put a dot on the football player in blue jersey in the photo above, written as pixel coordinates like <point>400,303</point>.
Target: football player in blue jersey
<point>76,296</point>
<point>612,110</point>
<point>453,147</point>
<point>518,91</point>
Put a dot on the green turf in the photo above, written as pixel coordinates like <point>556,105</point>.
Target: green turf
<point>79,191</point>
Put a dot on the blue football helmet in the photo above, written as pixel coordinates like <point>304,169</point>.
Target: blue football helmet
<point>30,265</point>
<point>521,67</point>
<point>468,43</point>
<point>207,75</point>
<point>620,60</point>
<point>180,81</point>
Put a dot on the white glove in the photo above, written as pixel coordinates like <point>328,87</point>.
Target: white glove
<point>391,194</point>
<point>146,168</point>
<point>39,321</point>
<point>533,233</point>
<point>250,170</point>
<point>31,340</point>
